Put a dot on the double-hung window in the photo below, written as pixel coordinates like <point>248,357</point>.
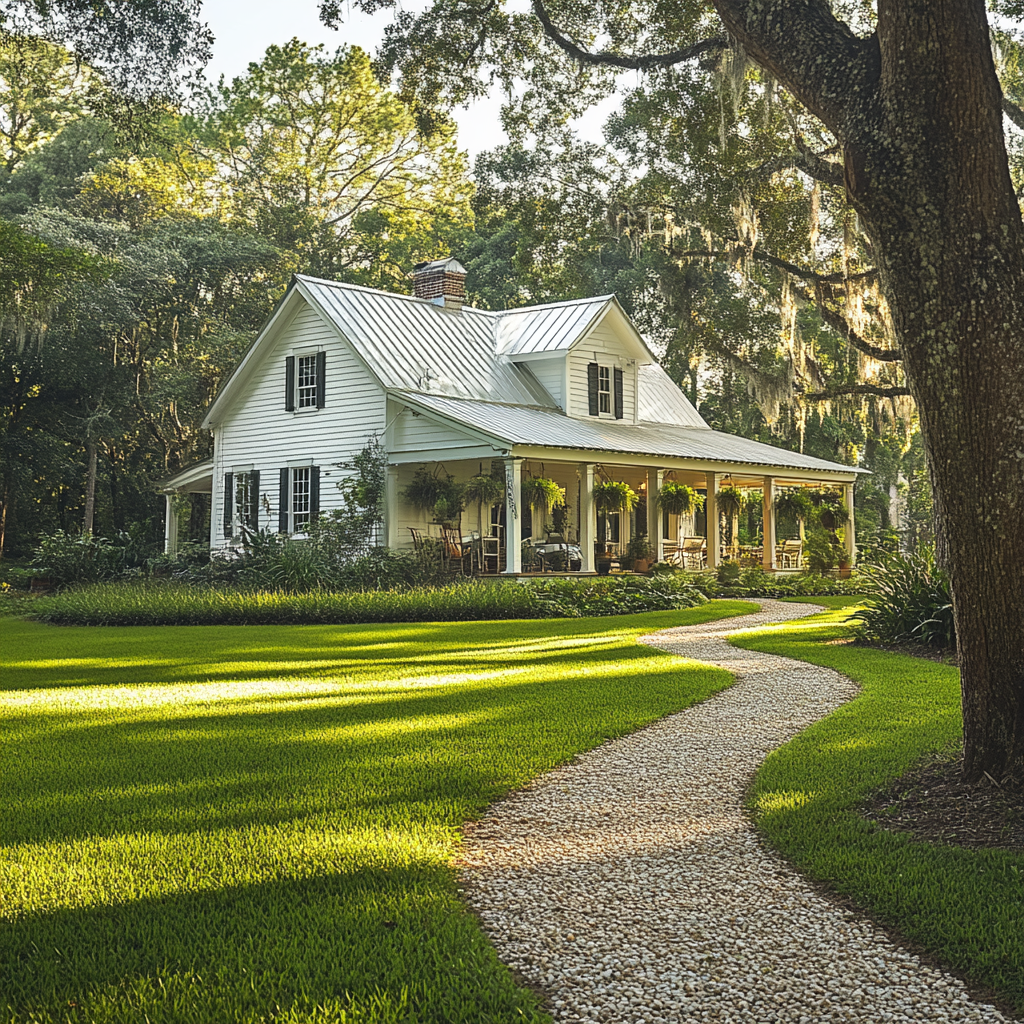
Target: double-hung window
<point>241,501</point>
<point>301,508</point>
<point>604,388</point>
<point>298,499</point>
<point>306,382</point>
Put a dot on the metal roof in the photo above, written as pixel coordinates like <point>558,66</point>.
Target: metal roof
<point>512,425</point>
<point>413,344</point>
<point>659,399</point>
<point>552,328</point>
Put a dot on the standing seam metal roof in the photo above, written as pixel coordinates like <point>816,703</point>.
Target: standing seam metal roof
<point>512,425</point>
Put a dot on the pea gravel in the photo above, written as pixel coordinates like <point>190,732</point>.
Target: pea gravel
<point>629,885</point>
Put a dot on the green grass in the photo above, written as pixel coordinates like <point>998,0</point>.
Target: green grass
<point>240,824</point>
<point>964,906</point>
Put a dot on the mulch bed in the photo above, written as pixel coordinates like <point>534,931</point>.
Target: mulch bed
<point>933,803</point>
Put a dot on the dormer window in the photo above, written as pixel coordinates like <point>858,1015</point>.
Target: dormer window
<point>604,388</point>
<point>604,384</point>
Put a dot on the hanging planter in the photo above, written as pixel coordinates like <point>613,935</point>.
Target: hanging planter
<point>830,509</point>
<point>615,496</point>
<point>442,498</point>
<point>730,501</point>
<point>542,494</point>
<point>793,505</point>
<point>679,499</point>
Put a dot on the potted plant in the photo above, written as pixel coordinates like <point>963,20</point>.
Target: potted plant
<point>603,561</point>
<point>639,552</point>
<point>679,499</point>
<point>442,498</point>
<point>730,502</point>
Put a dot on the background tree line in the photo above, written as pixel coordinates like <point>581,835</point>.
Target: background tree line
<point>142,253</point>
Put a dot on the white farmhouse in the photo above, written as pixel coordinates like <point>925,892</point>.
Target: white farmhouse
<point>567,390</point>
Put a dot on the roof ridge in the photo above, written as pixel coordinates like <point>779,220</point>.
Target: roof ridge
<point>552,305</point>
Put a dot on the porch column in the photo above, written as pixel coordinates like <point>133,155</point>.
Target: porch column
<point>391,538</point>
<point>170,526</point>
<point>588,515</point>
<point>768,556</point>
<point>849,534</point>
<point>657,542</point>
<point>513,489</point>
<point>711,510</point>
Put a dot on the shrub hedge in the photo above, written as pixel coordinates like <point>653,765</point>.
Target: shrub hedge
<point>154,603</point>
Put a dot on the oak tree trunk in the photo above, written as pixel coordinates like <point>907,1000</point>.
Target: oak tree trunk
<point>917,107</point>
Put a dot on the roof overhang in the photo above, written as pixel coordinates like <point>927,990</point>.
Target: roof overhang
<point>195,479</point>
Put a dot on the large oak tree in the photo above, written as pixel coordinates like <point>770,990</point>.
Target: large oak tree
<point>909,92</point>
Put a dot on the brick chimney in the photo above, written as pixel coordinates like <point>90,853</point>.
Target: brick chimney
<point>442,282</point>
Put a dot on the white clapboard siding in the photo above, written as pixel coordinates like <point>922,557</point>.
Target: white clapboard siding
<point>551,373</point>
<point>412,432</point>
<point>260,433</point>
<point>601,346</point>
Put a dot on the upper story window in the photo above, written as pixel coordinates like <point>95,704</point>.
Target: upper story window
<point>605,390</point>
<point>305,381</point>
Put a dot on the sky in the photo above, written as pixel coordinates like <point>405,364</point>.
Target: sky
<point>244,30</point>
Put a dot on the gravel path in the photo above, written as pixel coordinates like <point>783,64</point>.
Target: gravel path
<point>629,885</point>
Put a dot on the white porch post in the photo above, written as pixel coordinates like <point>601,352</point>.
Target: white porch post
<point>588,515</point>
<point>711,510</point>
<point>513,490</point>
<point>849,534</point>
<point>768,557</point>
<point>170,526</point>
<point>654,538</point>
<point>391,538</point>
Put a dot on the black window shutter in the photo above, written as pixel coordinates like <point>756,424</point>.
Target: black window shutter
<point>618,393</point>
<point>592,387</point>
<point>321,379</point>
<point>314,492</point>
<point>282,502</point>
<point>254,500</point>
<point>289,383</point>
<point>229,502</point>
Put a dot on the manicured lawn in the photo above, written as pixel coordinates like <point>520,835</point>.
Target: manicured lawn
<point>965,906</point>
<point>238,824</point>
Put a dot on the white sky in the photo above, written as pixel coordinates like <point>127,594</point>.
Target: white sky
<point>244,30</point>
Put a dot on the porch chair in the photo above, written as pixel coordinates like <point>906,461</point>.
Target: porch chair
<point>694,552</point>
<point>792,551</point>
<point>454,550</point>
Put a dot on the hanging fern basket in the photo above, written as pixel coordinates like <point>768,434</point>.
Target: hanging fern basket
<point>679,499</point>
<point>615,496</point>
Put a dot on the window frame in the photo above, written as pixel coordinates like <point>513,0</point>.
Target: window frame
<point>293,493</point>
<point>604,390</point>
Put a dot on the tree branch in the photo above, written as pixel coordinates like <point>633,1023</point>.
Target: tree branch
<point>815,56</point>
<point>804,273</point>
<point>878,390</point>
<point>616,60</point>
<point>834,319</point>
<point>806,160</point>
<point>1013,112</point>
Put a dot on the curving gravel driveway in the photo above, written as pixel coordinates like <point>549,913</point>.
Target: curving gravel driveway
<point>629,886</point>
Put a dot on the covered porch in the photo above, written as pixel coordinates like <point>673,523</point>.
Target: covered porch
<point>508,537</point>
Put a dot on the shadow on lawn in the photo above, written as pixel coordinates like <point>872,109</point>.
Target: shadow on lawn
<point>271,760</point>
<point>305,950</point>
